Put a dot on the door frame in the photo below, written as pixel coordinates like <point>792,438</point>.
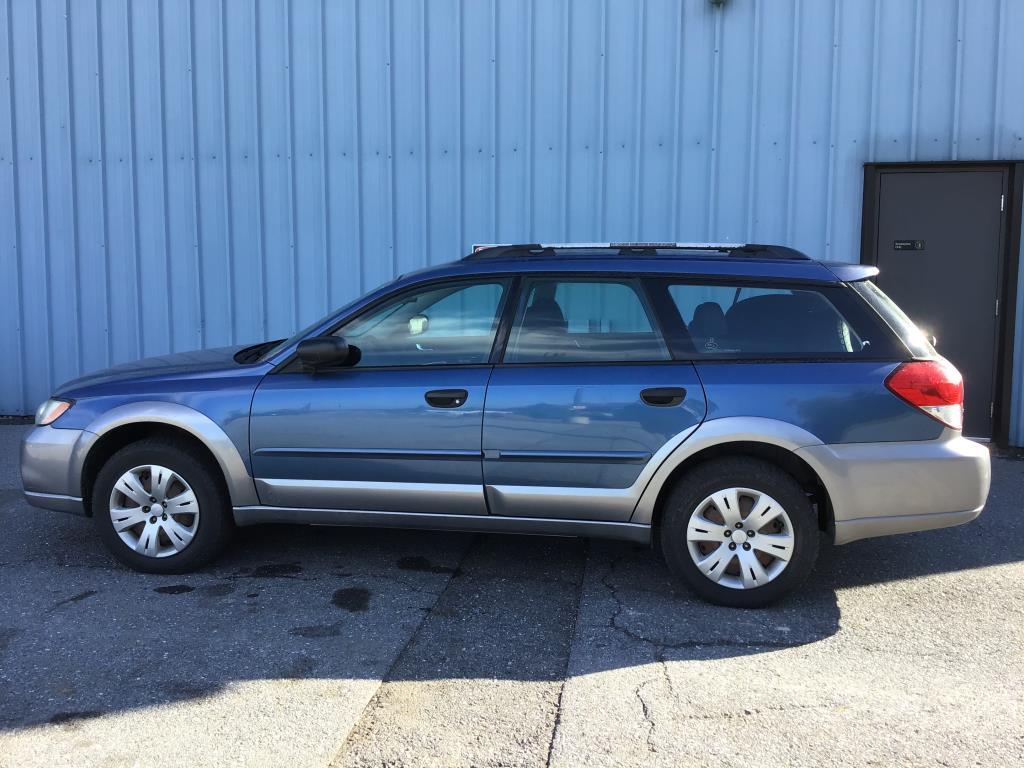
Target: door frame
<point>1007,267</point>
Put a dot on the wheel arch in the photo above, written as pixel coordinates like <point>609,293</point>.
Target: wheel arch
<point>774,441</point>
<point>130,423</point>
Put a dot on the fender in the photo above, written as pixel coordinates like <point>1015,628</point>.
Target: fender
<point>732,429</point>
<point>240,483</point>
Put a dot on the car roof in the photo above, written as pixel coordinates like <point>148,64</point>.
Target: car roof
<point>719,260</point>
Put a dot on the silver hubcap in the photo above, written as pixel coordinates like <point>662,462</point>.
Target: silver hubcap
<point>154,511</point>
<point>740,538</point>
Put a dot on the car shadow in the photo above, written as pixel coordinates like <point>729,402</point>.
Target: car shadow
<point>81,637</point>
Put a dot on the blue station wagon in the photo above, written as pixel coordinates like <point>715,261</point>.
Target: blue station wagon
<point>723,403</point>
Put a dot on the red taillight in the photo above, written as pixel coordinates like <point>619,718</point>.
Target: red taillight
<point>934,386</point>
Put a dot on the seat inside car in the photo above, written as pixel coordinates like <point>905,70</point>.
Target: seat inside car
<point>544,313</point>
<point>802,322</point>
<point>708,327</point>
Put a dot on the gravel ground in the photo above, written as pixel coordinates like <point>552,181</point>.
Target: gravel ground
<point>319,646</point>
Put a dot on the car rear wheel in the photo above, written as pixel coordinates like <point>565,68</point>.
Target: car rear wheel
<point>159,509</point>
<point>739,532</point>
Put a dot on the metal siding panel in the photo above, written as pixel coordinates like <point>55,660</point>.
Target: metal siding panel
<point>264,161</point>
<point>180,216</point>
<point>409,102</point>
<point>735,117</point>
<point>1016,426</point>
<point>87,149</point>
<point>374,111</point>
<point>214,251</point>
<point>812,132</point>
<point>31,202</point>
<point>622,133</point>
<point>148,84</point>
<point>276,167</point>
<point>246,225</point>
<point>344,244</point>
<point>513,89</point>
<point>696,111</point>
<point>1009,120</point>
<point>12,335</point>
<point>586,41</point>
<point>444,134</point>
<point>851,122</point>
<point>655,167</point>
<point>59,183</point>
<point>978,98</point>
<point>306,115</point>
<point>548,131</point>
<point>937,70</point>
<point>770,162</point>
<point>119,189</point>
<point>895,82</point>
<point>478,149</point>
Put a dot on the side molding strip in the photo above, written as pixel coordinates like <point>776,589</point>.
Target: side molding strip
<point>639,534</point>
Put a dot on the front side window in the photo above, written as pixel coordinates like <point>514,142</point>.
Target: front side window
<point>573,321</point>
<point>748,321</point>
<point>440,324</point>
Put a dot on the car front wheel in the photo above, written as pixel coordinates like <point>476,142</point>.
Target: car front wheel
<point>739,532</point>
<point>160,509</point>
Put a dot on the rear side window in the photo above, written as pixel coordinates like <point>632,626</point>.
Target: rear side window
<point>571,320</point>
<point>736,320</point>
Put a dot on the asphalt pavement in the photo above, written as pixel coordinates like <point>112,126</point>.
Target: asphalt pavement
<point>329,646</point>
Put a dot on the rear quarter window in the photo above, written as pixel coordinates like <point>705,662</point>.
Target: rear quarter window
<point>895,318</point>
<point>736,320</point>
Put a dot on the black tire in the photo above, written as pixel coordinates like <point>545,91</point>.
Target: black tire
<point>215,523</point>
<point>738,472</point>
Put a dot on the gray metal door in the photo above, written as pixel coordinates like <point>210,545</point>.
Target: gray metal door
<point>938,248</point>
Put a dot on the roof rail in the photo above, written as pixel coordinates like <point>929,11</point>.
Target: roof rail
<point>533,250</point>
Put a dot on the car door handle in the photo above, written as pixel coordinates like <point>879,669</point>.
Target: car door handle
<point>446,398</point>
<point>663,396</point>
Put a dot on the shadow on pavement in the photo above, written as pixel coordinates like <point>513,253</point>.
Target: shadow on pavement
<point>81,637</point>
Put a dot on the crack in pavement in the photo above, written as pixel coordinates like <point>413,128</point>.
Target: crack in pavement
<point>661,645</point>
<point>568,656</point>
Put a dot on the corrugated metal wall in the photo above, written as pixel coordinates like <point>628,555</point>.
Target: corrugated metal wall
<point>185,174</point>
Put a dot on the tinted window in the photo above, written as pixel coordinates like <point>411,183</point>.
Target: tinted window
<point>757,321</point>
<point>911,335</point>
<point>582,321</point>
<point>448,324</point>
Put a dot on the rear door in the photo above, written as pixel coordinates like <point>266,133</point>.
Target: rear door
<point>587,393</point>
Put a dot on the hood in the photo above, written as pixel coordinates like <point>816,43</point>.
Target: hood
<point>179,364</point>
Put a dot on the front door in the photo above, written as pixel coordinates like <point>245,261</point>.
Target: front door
<point>586,396</point>
<point>938,244</point>
<point>398,430</point>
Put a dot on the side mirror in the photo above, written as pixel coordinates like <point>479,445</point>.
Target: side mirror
<point>418,324</point>
<point>325,350</point>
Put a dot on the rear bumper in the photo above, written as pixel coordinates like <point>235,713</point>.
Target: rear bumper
<point>877,489</point>
<point>51,468</point>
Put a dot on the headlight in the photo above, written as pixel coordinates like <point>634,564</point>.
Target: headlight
<point>51,410</point>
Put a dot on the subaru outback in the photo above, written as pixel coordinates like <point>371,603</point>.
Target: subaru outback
<point>726,404</point>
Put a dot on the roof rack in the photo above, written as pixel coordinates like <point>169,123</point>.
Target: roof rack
<point>535,250</point>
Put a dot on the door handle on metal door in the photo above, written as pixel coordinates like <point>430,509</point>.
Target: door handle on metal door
<point>663,396</point>
<point>446,398</point>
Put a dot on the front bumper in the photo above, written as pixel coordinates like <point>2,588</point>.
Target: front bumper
<point>877,489</point>
<point>51,468</point>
